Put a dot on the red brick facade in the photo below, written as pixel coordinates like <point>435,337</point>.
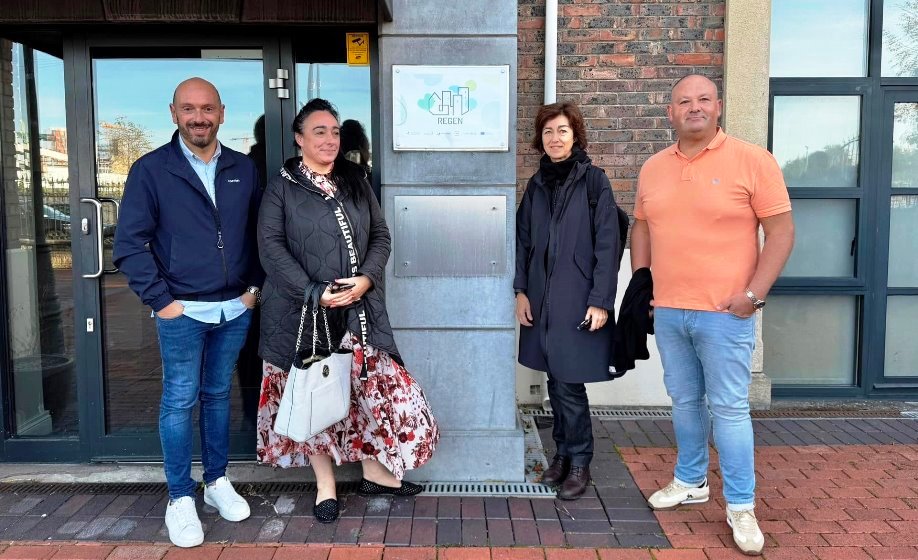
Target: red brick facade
<point>618,60</point>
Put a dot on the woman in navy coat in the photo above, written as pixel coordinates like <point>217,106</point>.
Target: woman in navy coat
<point>566,276</point>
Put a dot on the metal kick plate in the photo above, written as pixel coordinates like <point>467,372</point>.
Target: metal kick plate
<point>450,236</point>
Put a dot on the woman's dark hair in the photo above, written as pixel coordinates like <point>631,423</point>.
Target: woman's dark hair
<point>569,110</point>
<point>349,177</point>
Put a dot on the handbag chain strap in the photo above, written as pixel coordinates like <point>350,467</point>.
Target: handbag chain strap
<point>315,331</point>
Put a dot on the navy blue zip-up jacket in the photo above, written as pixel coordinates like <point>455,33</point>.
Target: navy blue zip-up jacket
<point>172,243</point>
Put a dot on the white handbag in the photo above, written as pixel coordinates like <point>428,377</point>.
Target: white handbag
<point>318,390</point>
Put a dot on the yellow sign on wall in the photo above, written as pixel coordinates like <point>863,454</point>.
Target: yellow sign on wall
<point>358,49</point>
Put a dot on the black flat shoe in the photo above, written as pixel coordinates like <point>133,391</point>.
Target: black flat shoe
<point>326,511</point>
<point>368,488</point>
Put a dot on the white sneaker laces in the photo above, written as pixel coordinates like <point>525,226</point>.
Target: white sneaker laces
<point>745,521</point>
<point>186,515</point>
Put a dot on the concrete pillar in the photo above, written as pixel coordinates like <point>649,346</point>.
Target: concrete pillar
<point>747,32</point>
<point>456,333</point>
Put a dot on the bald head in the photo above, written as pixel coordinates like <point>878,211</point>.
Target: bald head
<point>198,112</point>
<point>696,80</point>
<point>694,110</point>
<point>195,84</point>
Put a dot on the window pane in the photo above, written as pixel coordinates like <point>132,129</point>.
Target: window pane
<point>824,237</point>
<point>37,243</point>
<point>816,139</point>
<point>905,146</point>
<point>132,118</point>
<point>903,242</point>
<point>900,38</point>
<point>819,38</point>
<point>901,325</point>
<point>348,88</point>
<point>790,324</point>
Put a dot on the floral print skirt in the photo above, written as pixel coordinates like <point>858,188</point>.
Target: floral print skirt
<point>389,419</point>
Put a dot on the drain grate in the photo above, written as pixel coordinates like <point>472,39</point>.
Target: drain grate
<point>815,414</point>
<point>140,488</point>
<point>617,413</point>
<point>495,489</point>
<point>778,413</point>
<point>489,489</point>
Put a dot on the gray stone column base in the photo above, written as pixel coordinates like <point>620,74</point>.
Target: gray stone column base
<point>760,392</point>
<point>475,456</point>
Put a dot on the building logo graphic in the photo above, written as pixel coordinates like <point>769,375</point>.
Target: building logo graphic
<point>449,105</point>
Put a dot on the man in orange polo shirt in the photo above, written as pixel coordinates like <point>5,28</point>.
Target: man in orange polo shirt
<point>697,213</point>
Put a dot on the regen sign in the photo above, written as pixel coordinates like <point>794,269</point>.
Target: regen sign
<point>459,108</point>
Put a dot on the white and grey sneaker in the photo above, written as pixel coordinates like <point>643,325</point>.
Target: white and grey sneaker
<point>183,524</point>
<point>221,495</point>
<point>675,494</point>
<point>746,533</point>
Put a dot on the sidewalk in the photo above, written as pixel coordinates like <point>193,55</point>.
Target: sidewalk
<point>855,498</point>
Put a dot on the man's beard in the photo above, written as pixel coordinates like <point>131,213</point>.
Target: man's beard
<point>199,141</point>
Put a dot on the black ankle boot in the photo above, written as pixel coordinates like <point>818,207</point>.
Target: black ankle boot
<point>575,484</point>
<point>557,471</point>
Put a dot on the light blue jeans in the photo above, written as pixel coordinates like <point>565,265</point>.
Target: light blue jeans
<point>706,353</point>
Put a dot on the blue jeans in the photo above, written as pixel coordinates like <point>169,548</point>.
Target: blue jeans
<point>706,353</point>
<point>198,360</point>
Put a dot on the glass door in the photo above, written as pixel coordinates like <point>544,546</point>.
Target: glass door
<point>40,389</point>
<point>900,197</point>
<point>131,89</point>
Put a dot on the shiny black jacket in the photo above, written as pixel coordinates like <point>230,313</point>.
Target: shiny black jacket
<point>300,244</point>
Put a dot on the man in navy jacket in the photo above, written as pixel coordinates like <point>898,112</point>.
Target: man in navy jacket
<point>186,242</point>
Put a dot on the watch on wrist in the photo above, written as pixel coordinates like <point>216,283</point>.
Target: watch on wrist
<point>756,302</point>
<point>255,291</point>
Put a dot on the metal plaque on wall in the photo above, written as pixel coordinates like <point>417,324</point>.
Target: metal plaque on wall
<point>451,108</point>
<point>450,236</point>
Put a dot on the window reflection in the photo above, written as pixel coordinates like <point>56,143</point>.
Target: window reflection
<point>37,242</point>
<point>816,140</point>
<point>831,33</point>
<point>132,97</point>
<point>900,38</point>
<point>901,324</point>
<point>905,146</point>
<point>824,240</point>
<point>788,328</point>
<point>903,242</point>
<point>348,88</point>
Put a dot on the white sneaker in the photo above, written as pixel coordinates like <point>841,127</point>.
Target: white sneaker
<point>221,495</point>
<point>183,523</point>
<point>675,494</point>
<point>746,533</point>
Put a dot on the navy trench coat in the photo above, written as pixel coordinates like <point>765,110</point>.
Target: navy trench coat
<point>563,268</point>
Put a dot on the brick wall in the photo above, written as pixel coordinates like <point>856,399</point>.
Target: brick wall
<point>618,60</point>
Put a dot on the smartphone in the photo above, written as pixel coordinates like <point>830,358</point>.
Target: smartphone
<point>584,325</point>
<point>336,287</point>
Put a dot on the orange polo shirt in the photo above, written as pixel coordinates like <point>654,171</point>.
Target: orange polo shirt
<point>704,215</point>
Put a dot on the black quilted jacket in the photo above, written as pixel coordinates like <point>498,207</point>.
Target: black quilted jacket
<point>300,244</point>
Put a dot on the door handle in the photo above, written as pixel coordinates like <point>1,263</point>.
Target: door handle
<point>98,207</point>
<point>117,206</point>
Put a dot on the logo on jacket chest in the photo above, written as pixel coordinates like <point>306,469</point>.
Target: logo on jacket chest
<point>234,180</point>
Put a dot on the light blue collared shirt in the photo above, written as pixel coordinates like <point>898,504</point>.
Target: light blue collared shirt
<point>213,312</point>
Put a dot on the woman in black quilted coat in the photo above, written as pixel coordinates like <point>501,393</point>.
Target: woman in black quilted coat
<point>389,427</point>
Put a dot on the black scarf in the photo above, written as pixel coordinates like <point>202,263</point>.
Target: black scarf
<point>555,173</point>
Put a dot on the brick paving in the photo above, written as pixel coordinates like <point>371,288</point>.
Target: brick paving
<point>854,498</point>
<point>850,431</point>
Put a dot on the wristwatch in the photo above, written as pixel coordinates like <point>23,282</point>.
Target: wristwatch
<point>255,291</point>
<point>756,302</point>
